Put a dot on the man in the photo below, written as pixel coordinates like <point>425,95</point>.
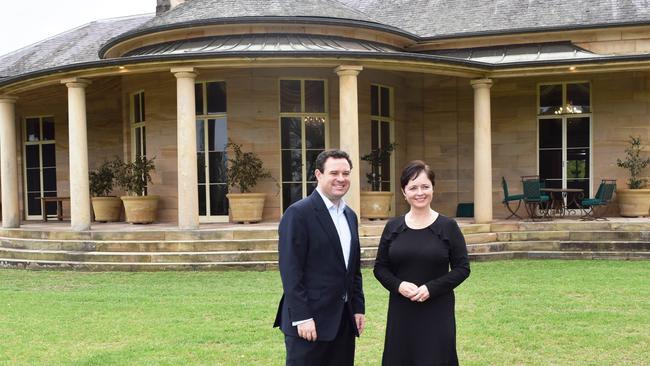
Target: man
<point>322,308</point>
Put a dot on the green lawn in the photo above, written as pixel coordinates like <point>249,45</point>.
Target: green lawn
<point>509,312</point>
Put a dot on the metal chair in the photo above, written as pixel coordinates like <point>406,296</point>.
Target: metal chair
<point>595,208</point>
<point>534,200</point>
<point>507,198</point>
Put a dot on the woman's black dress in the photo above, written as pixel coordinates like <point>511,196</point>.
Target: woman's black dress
<point>421,333</point>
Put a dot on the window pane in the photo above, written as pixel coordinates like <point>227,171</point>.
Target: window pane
<point>550,164</point>
<point>577,95</point>
<point>578,183</point>
<point>50,207</point>
<point>374,100</point>
<point>577,165</point>
<point>144,141</point>
<point>291,166</point>
<point>198,99</point>
<point>577,132</point>
<point>291,133</point>
<point>142,110</point>
<point>33,180</point>
<point>32,156</point>
<point>137,112</point>
<point>290,96</point>
<point>385,102</point>
<point>200,166</point>
<point>217,167</point>
<point>218,200</point>
<point>374,135</point>
<point>314,96</point>
<point>291,192</point>
<point>311,164</point>
<point>33,203</point>
<point>49,155</point>
<point>310,188</point>
<point>202,209</point>
<point>49,179</point>
<point>550,98</point>
<point>385,141</point>
<point>550,133</point>
<point>216,94</point>
<point>32,129</point>
<point>217,134</point>
<point>48,128</point>
<point>314,132</point>
<point>200,136</point>
<point>138,137</point>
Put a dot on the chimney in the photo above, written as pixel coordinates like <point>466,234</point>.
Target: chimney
<point>163,6</point>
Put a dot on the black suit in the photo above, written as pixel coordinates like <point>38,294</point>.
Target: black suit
<point>314,277</point>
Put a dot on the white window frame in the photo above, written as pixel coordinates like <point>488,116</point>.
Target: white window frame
<point>40,167</point>
<point>141,125</point>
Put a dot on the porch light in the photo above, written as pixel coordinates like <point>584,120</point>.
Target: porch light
<point>572,68</point>
<point>568,109</point>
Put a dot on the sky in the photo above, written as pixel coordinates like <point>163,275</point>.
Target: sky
<point>23,22</point>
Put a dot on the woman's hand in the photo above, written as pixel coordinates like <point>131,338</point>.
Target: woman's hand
<point>408,289</point>
<point>421,294</point>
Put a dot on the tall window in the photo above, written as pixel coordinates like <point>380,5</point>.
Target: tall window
<point>40,164</point>
<point>303,135</point>
<point>211,140</point>
<point>138,135</point>
<point>381,123</point>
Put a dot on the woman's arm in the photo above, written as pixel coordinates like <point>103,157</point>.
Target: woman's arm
<point>458,261</point>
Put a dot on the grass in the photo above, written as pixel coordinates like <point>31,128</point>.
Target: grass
<point>510,312</point>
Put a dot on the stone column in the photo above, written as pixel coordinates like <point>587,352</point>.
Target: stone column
<point>349,128</point>
<point>9,166</point>
<point>78,140</point>
<point>188,192</point>
<point>482,151</point>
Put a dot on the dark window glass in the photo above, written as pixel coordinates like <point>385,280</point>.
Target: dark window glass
<point>202,209</point>
<point>550,164</point>
<point>291,133</point>
<point>33,203</point>
<point>291,166</point>
<point>217,167</point>
<point>49,155</point>
<point>374,135</point>
<point>198,99</point>
<point>32,129</point>
<point>217,134</point>
<point>550,98</point>
<point>374,100</point>
<point>200,136</point>
<point>311,161</point>
<point>32,156</point>
<point>577,165</point>
<point>385,186</point>
<point>577,132</point>
<point>310,188</point>
<point>200,166</point>
<point>142,109</point>
<point>218,200</point>
<point>577,95</point>
<point>550,133</point>
<point>385,102</point>
<point>138,147</point>
<point>385,141</point>
<point>551,183</point>
<point>144,141</point>
<point>314,96</point>
<point>574,198</point>
<point>49,179</point>
<point>314,133</point>
<point>291,192</point>
<point>50,207</point>
<point>216,94</point>
<point>137,111</point>
<point>48,128</point>
<point>290,96</point>
<point>33,180</point>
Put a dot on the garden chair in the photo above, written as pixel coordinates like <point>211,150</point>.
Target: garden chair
<point>596,207</point>
<point>534,200</point>
<point>507,198</point>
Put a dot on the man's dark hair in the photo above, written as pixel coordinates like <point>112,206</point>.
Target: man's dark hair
<point>331,153</point>
<point>413,169</point>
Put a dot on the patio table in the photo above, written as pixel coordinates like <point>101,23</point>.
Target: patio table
<point>558,199</point>
<point>59,206</point>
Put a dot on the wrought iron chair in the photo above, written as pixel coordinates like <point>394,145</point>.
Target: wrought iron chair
<point>595,208</point>
<point>507,198</point>
<point>534,200</point>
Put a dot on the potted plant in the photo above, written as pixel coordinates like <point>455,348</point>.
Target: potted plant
<point>244,170</point>
<point>375,204</point>
<point>106,208</point>
<point>635,200</point>
<point>133,177</point>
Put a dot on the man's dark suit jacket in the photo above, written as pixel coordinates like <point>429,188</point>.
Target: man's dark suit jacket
<point>313,272</point>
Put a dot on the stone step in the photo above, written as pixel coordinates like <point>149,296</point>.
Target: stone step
<point>556,245</point>
<point>569,235</point>
<point>244,233</point>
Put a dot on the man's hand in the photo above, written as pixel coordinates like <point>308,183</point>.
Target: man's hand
<point>421,295</point>
<point>408,289</point>
<point>307,330</point>
<point>360,319</point>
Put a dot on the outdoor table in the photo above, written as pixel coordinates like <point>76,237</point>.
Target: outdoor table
<point>59,206</point>
<point>558,195</point>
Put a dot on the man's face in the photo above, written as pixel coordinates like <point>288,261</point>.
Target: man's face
<point>334,180</point>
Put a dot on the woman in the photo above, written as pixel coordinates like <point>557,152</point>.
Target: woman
<point>413,263</point>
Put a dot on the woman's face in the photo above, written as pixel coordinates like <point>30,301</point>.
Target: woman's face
<point>419,192</point>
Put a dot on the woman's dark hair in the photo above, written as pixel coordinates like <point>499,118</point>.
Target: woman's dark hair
<point>413,169</point>
<point>331,153</point>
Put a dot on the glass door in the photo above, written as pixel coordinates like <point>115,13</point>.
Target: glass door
<point>39,166</point>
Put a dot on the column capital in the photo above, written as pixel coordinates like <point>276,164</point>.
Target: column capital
<point>184,72</point>
<point>353,70</point>
<point>481,83</point>
<point>76,82</point>
<point>4,98</point>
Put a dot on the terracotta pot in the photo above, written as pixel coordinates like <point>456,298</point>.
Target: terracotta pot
<point>633,202</point>
<point>246,207</point>
<point>107,209</point>
<point>376,205</point>
<point>140,209</point>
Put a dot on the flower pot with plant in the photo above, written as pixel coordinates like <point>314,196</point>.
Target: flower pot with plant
<point>635,200</point>
<point>106,208</point>
<point>376,203</point>
<point>133,177</point>
<point>244,170</point>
